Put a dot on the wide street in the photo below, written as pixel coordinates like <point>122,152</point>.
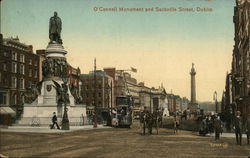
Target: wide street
<point>118,143</point>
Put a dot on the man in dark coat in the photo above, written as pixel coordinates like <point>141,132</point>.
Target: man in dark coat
<point>237,126</point>
<point>217,127</point>
<point>143,121</point>
<point>149,122</point>
<point>176,123</point>
<point>54,121</point>
<point>248,129</point>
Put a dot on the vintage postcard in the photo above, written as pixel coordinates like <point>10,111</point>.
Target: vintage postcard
<point>125,78</point>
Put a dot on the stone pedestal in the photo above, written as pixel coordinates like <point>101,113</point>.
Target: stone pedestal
<point>40,111</point>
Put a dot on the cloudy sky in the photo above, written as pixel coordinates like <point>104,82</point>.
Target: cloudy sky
<point>161,45</point>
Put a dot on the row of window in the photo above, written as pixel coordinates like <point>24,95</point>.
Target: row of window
<point>3,99</point>
<point>21,69</point>
<point>21,59</point>
<point>21,83</point>
<point>14,83</point>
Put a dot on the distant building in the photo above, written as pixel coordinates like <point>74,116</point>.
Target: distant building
<point>152,98</point>
<point>124,84</point>
<point>118,82</point>
<point>185,103</point>
<point>208,107</point>
<point>101,89</point>
<point>73,75</point>
<point>159,98</point>
<point>132,88</point>
<point>19,69</point>
<point>41,54</point>
<point>177,104</point>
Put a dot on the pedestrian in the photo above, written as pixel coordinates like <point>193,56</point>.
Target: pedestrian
<point>248,129</point>
<point>217,127</point>
<point>185,114</point>
<point>209,124</point>
<point>237,126</point>
<point>149,122</point>
<point>143,121</point>
<point>203,126</point>
<point>54,121</point>
<point>176,124</point>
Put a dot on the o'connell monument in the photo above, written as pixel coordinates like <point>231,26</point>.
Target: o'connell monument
<point>53,94</point>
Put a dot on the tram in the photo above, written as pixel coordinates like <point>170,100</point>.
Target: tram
<point>124,107</point>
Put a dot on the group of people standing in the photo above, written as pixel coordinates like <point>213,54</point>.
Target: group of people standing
<point>149,120</point>
<point>213,124</point>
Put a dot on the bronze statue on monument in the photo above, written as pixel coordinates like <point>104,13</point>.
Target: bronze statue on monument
<point>55,27</point>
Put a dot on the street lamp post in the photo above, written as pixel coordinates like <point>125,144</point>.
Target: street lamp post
<point>216,103</point>
<point>150,95</point>
<point>65,119</point>
<point>95,105</point>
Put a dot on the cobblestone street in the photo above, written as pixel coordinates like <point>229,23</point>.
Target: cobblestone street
<point>118,143</point>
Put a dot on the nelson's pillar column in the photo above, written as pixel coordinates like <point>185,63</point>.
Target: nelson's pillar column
<point>193,105</point>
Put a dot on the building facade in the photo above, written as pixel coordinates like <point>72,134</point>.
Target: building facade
<point>124,84</point>
<point>19,70</point>
<point>237,91</point>
<point>42,57</point>
<point>152,98</point>
<point>99,90</point>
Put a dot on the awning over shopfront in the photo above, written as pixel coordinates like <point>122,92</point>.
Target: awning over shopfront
<point>5,110</point>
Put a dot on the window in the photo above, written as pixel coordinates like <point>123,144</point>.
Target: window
<point>30,72</point>
<point>22,58</point>
<point>5,54</point>
<point>35,73</point>
<point>100,94</point>
<point>4,67</point>
<point>22,69</point>
<point>35,63</point>
<point>14,56</point>
<point>0,77</point>
<point>14,99</point>
<point>22,99</point>
<point>21,83</point>
<point>14,67</point>
<point>30,84</point>
<point>87,95</point>
<point>3,98</point>
<point>13,82</point>
<point>30,62</point>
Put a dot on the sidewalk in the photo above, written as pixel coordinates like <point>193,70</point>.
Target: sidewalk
<point>227,135</point>
<point>45,129</point>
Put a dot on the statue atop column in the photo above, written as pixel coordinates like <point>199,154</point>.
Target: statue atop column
<point>55,27</point>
